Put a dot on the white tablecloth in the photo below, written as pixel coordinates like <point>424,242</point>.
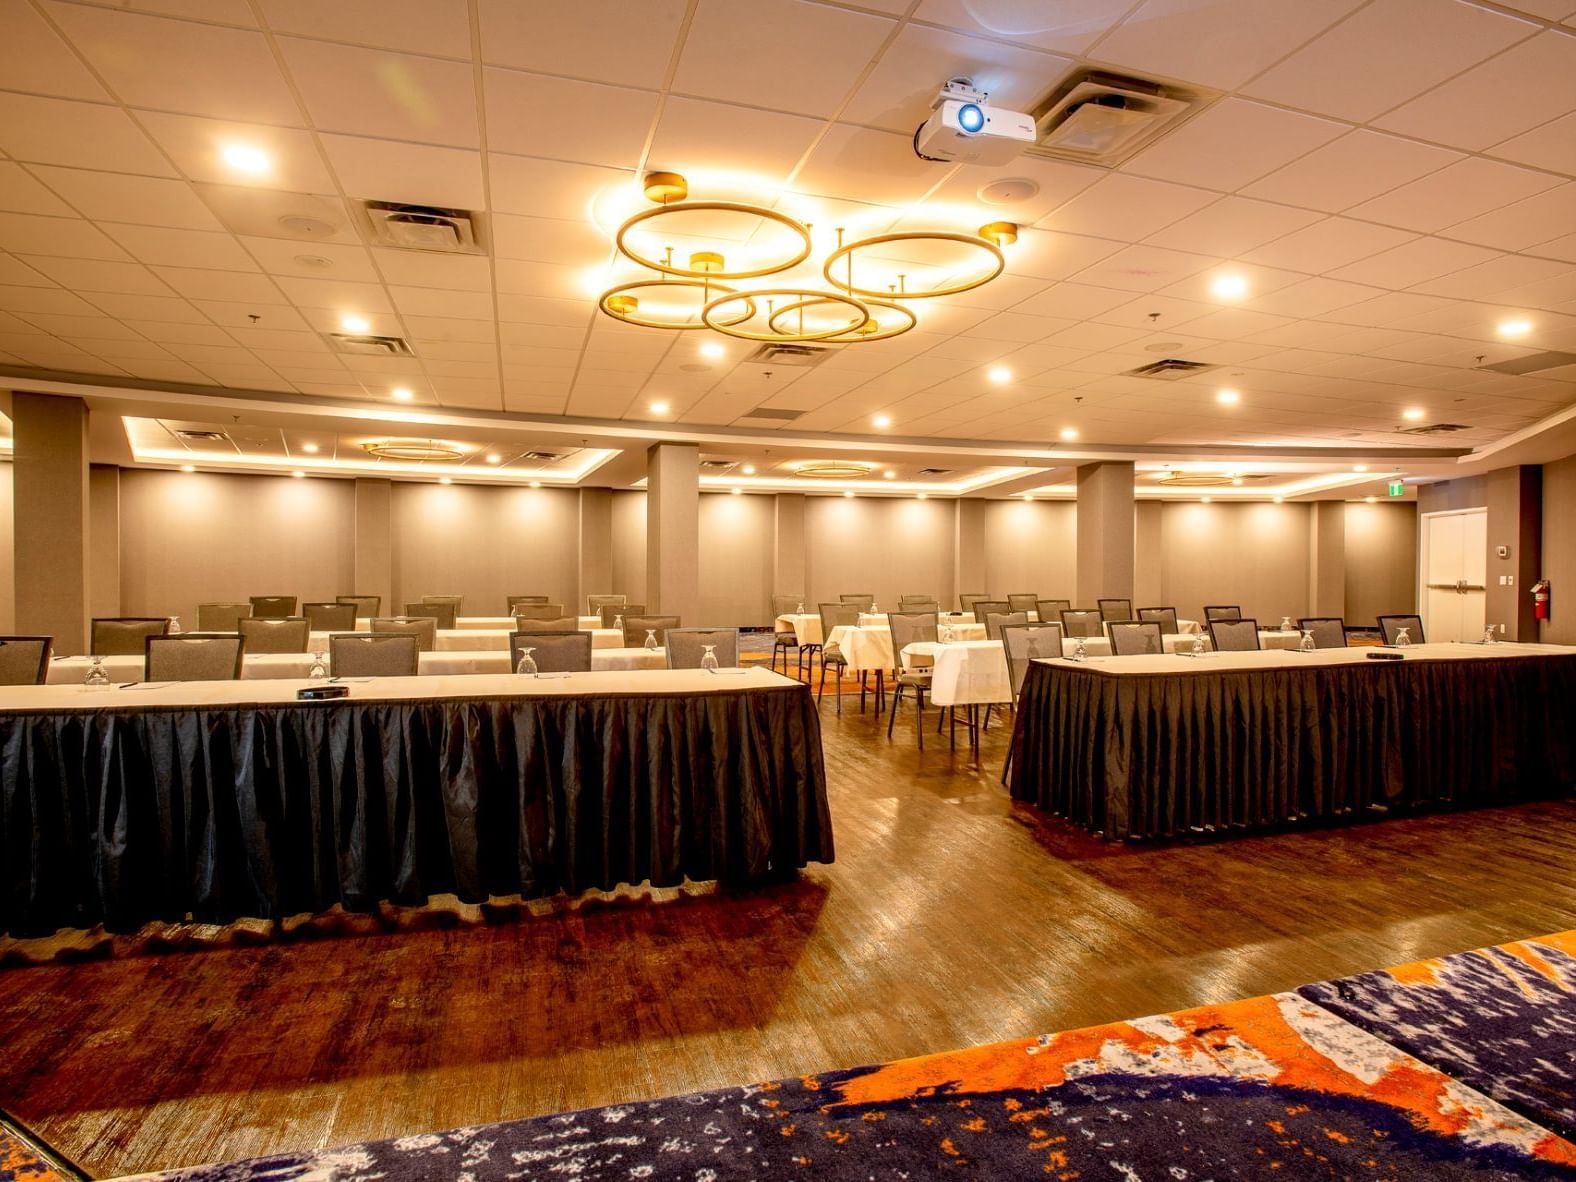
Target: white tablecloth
<point>278,666</point>
<point>806,626</point>
<point>1281,658</point>
<point>469,640</point>
<point>486,623</point>
<point>871,648</point>
<point>973,672</point>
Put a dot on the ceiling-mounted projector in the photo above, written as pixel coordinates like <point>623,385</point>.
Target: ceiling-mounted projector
<point>965,129</point>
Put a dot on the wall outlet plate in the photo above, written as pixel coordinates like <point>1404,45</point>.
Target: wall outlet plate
<point>1502,551</point>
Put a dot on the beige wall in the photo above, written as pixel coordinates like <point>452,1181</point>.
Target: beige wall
<point>886,547</point>
<point>629,546</point>
<point>190,538</point>
<point>1559,550</point>
<point>1381,560</point>
<point>1255,555</point>
<point>104,540</point>
<point>736,551</point>
<point>7,554</point>
<point>1030,546</point>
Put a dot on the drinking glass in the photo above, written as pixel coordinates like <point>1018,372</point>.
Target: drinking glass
<point>319,664</point>
<point>1306,644</point>
<point>97,678</point>
<point>1488,635</point>
<point>708,660</point>
<point>1198,645</point>
<point>527,663</point>
<point>800,609</point>
<point>651,640</point>
<point>175,626</point>
<point>1080,650</point>
<point>944,633</point>
<point>618,620</point>
<point>1403,638</point>
<point>1285,624</point>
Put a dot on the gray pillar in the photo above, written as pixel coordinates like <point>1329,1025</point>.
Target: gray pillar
<point>53,568</point>
<point>1106,528</point>
<point>789,573</point>
<point>969,571</point>
<point>104,537</point>
<point>1515,522</point>
<point>1327,558</point>
<point>374,567</point>
<point>1148,569</point>
<point>596,545</point>
<point>673,530</point>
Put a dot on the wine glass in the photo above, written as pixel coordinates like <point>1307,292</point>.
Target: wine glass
<point>1403,637</point>
<point>527,663</point>
<point>618,620</point>
<point>1306,645</point>
<point>97,678</point>
<point>708,660</point>
<point>319,667</point>
<point>651,640</point>
<point>800,609</point>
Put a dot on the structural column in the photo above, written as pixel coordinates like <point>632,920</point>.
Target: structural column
<point>968,551</point>
<point>50,470</point>
<point>673,530</point>
<point>596,544</point>
<point>1514,526</point>
<point>789,569</point>
<point>1327,559</point>
<point>375,543</point>
<point>1105,532</point>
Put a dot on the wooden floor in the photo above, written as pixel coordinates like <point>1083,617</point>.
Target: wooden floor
<point>952,917</point>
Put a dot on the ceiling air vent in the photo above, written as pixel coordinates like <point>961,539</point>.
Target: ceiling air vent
<point>935,471</point>
<point>800,355</point>
<point>1096,117</point>
<point>365,346</point>
<point>778,413</point>
<point>202,436</point>
<point>1533,363</point>
<point>1433,429</point>
<point>718,465</point>
<point>542,457</point>
<point>1169,370</point>
<point>425,227</point>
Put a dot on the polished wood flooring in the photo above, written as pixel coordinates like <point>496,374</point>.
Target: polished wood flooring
<point>951,917</point>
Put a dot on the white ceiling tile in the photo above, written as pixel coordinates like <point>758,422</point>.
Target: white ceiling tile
<point>1232,143</point>
<point>182,248</point>
<point>20,193</point>
<point>55,131</point>
<point>1066,28</point>
<point>899,93</point>
<point>1487,279</point>
<point>1327,244</point>
<point>1044,254</point>
<point>119,197</point>
<point>418,268</point>
<point>34,58</point>
<point>262,213</point>
<point>1313,296</point>
<point>628,42</point>
<point>30,298</point>
<point>202,284</point>
<point>98,327</point>
<point>548,188</point>
<point>133,308</point>
<point>1057,182</point>
<point>1143,268</point>
<point>176,332</point>
<point>603,124</point>
<point>1454,194</point>
<point>416,174</point>
<point>1126,208</point>
<point>311,260</point>
<point>1523,224</point>
<point>1413,262</point>
<point>518,309</point>
<point>785,55</point>
<point>395,95</point>
<point>696,137</point>
<point>519,277</point>
<point>338,296</point>
<point>174,65</point>
<point>1548,10</point>
<point>1551,146</point>
<point>67,237</point>
<point>100,275</point>
<point>14,271</point>
<point>1232,226</point>
<point>1219,43</point>
<point>878,166</point>
<point>547,240</point>
<point>197,146</point>
<point>447,328</point>
<point>1526,85</point>
<point>440,27</point>
<point>221,12</point>
<point>1385,54</point>
<point>1357,167</point>
<point>1073,301</point>
<point>1560,248</point>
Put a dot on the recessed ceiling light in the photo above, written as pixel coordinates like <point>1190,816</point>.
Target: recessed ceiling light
<point>889,474</point>
<point>737,491</point>
<point>188,467</point>
<point>1028,496</point>
<point>1069,432</point>
<point>1370,500</point>
<point>1204,500</point>
<point>712,349</point>
<point>1228,397</point>
<point>1359,467</point>
<point>999,373</point>
<point>298,474</point>
<point>924,496</point>
<point>401,394</point>
<point>358,324</point>
<point>848,492</point>
<point>659,408</point>
<point>536,484</point>
<point>1236,480</point>
<point>309,448</point>
<point>1514,328</point>
<point>882,421</point>
<point>1278,500</point>
<point>748,469</point>
<point>1413,413</point>
<point>494,458</point>
<point>1229,287</point>
<point>445,480</point>
<point>246,158</point>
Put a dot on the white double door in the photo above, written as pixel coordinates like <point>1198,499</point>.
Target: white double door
<point>1455,565</point>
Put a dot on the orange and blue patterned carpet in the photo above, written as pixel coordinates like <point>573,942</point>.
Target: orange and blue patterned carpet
<point>1455,1068</point>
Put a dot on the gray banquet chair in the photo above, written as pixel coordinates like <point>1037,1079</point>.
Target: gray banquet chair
<point>984,609</point>
<point>915,597</point>
<point>906,628</point>
<point>834,615</point>
<point>1390,627</point>
<point>515,600</point>
<point>595,603</point>
<point>931,606</point>
<point>1082,621</point>
<point>1025,643</point>
<point>221,617</point>
<point>967,600</point>
<point>1050,610</point>
<point>1222,611</point>
<point>784,605</point>
<point>454,601</point>
<point>1166,617</point>
<point>373,654</point>
<point>636,627</point>
<point>995,621</point>
<point>289,635</point>
<point>863,600</point>
<point>1328,631</point>
<point>442,614</point>
<point>538,611</point>
<point>1234,636</point>
<point>612,611</point>
<point>423,628</point>
<point>366,606</point>
<point>686,647</point>
<point>553,652</point>
<point>552,624</point>
<point>193,657</point>
<point>273,607</point>
<point>1135,638</point>
<point>1115,609</point>
<point>125,636</point>
<point>330,617</point>
<point>24,660</point>
<point>1025,601</point>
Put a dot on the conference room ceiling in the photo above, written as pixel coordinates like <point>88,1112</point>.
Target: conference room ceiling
<point>1394,180</point>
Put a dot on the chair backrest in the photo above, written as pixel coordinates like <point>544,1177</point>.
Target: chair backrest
<point>1050,610</point>
<point>1025,643</point>
<point>273,607</point>
<point>193,657</point>
<point>984,609</point>
<point>1328,631</point>
<point>366,606</point>
<point>557,624</point>
<point>1222,611</point>
<point>374,654</point>
<point>423,628</point>
<point>289,635</point>
<point>1390,627</point>
<point>536,611</point>
<point>836,615</point>
<point>595,603</point>
<point>453,601</point>
<point>967,600</point>
<point>613,610</point>
<point>516,600</point>
<point>124,636</point>
<point>221,617</point>
<point>920,605</point>
<point>1134,638</point>
<point>553,651</point>
<point>1115,609</point>
<point>442,614</point>
<point>785,605</point>
<point>636,627</point>
<point>864,601</point>
<point>1082,621</point>
<point>686,647</point>
<point>1234,636</point>
<point>1166,617</point>
<point>912,626</point>
<point>24,660</point>
<point>995,621</point>
<point>1023,601</point>
<point>330,617</point>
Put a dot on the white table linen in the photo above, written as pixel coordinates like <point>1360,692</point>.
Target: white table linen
<point>487,623</point>
<point>969,673</point>
<point>1292,659</point>
<point>466,640</point>
<point>281,666</point>
<point>806,626</point>
<point>868,648</point>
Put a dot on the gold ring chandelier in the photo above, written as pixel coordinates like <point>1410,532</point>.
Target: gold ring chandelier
<point>846,313</point>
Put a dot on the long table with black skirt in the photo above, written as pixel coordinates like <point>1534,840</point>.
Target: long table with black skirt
<point>218,800</point>
<point>1159,746</point>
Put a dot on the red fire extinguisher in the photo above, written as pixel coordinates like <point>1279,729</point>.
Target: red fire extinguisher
<point>1540,599</point>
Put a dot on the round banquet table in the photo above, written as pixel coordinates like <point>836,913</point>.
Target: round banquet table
<point>870,648</point>
<point>806,626</point>
<point>282,666</point>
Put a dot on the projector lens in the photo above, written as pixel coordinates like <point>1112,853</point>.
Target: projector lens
<point>971,118</point>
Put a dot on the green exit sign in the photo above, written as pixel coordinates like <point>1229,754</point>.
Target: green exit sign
<point>1397,489</point>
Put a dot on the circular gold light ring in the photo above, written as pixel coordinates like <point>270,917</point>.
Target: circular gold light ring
<point>709,318</point>
<point>666,268</point>
<point>850,336</point>
<point>640,284</point>
<point>848,250</point>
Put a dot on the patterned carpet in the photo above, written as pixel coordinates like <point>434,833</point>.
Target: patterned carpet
<point>24,1159</point>
<point>1455,1068</point>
